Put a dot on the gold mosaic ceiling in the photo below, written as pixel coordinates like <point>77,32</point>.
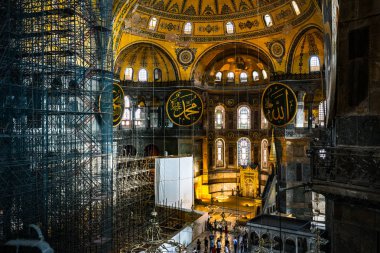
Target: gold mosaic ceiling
<point>207,7</point>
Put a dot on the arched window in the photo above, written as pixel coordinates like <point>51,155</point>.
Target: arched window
<point>219,153</point>
<point>218,76</point>
<point>152,23</point>
<point>268,20</point>
<point>255,76</point>
<point>295,8</point>
<point>188,28</point>
<point>128,74</point>
<point>230,76</point>
<point>126,119</point>
<point>314,64</point>
<point>244,151</point>
<point>322,113</point>
<point>264,154</point>
<point>230,27</point>
<point>244,117</point>
<point>143,75</point>
<point>140,117</point>
<point>243,77</point>
<point>157,74</point>
<point>265,75</point>
<point>219,117</point>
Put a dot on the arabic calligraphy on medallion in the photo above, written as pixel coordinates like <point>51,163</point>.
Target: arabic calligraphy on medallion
<point>279,104</point>
<point>184,107</point>
<point>118,104</point>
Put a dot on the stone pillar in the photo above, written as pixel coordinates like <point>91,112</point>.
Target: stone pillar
<point>300,109</point>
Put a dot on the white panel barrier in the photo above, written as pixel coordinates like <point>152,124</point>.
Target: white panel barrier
<point>174,182</point>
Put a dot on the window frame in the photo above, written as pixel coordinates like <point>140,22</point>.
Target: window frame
<point>296,8</point>
<point>239,117</point>
<point>239,152</point>
<point>230,27</point>
<point>241,79</point>
<point>255,76</point>
<point>313,68</point>
<point>131,75</point>
<point>185,30</point>
<point>146,75</point>
<point>152,24</point>
<point>221,162</point>
<point>268,23</point>
<point>223,113</point>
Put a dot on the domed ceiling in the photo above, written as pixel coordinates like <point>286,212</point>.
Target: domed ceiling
<point>209,17</point>
<point>149,57</point>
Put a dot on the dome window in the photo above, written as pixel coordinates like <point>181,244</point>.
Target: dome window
<point>188,28</point>
<point>143,75</point>
<point>152,23</point>
<point>265,75</point>
<point>268,20</point>
<point>295,8</point>
<point>255,76</point>
<point>128,74</point>
<point>218,76</point>
<point>314,64</point>
<point>230,29</point>
<point>243,77</point>
<point>157,74</point>
<point>230,76</point>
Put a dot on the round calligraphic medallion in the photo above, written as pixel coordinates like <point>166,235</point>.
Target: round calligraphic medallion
<point>118,104</point>
<point>279,104</point>
<point>184,107</point>
<point>277,49</point>
<point>185,57</point>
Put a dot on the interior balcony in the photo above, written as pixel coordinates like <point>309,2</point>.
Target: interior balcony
<point>346,171</point>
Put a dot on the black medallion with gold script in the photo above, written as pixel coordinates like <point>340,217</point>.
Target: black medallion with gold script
<point>184,107</point>
<point>118,104</point>
<point>279,104</point>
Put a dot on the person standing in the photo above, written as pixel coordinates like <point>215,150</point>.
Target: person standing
<point>235,245</point>
<point>206,243</point>
<point>218,245</point>
<point>199,245</point>
<point>226,249</point>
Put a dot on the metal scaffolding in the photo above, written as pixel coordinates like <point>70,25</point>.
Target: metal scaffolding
<point>56,122</point>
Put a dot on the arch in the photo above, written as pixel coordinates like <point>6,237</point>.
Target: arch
<point>207,59</point>
<point>157,74</point>
<point>314,64</point>
<point>143,75</point>
<point>126,120</point>
<point>218,76</point>
<point>163,54</point>
<point>129,150</point>
<point>244,152</point>
<point>290,246</point>
<point>295,42</point>
<point>277,243</point>
<point>243,117</point>
<point>266,239</point>
<point>255,238</point>
<point>151,150</point>
<point>220,117</point>
<point>219,152</point>
<point>255,76</point>
<point>128,74</point>
<point>243,77</point>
